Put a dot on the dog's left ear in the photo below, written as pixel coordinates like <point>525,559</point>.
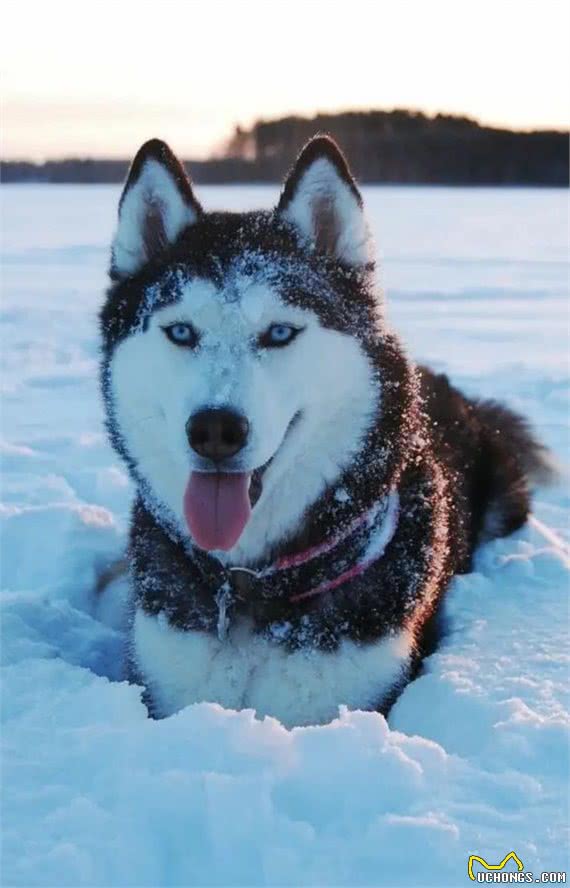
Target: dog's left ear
<point>321,200</point>
<point>156,205</point>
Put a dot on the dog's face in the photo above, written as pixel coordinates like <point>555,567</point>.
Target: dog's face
<point>235,375</point>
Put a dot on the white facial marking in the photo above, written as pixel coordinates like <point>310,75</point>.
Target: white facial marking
<point>245,671</point>
<point>323,375</point>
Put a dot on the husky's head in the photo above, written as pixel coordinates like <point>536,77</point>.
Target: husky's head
<point>237,375</point>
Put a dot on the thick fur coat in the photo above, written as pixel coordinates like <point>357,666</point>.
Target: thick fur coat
<point>371,481</point>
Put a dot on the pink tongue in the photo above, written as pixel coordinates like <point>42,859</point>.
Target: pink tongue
<point>217,508</point>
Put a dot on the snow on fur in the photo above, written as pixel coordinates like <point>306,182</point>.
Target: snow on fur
<point>474,757</point>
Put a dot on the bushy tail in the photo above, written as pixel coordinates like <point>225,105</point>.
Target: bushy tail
<point>517,462</point>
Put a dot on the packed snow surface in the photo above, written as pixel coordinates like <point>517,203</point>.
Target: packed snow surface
<point>473,759</point>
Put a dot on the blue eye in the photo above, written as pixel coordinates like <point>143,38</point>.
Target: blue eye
<point>278,335</point>
<point>182,334</point>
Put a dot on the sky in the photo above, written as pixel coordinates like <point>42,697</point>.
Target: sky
<point>98,79</point>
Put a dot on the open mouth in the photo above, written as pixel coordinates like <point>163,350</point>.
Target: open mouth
<point>217,505</point>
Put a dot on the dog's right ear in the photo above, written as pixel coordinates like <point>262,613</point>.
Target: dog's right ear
<point>156,205</point>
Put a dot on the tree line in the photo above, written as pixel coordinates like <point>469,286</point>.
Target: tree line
<point>399,146</point>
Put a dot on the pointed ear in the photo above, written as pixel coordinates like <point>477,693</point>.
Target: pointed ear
<point>321,200</point>
<point>156,205</point>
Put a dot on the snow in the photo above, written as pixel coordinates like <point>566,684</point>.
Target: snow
<point>474,759</point>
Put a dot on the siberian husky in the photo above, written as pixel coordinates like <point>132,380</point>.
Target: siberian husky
<point>304,492</point>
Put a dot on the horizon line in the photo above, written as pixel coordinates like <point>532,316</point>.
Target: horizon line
<point>212,156</point>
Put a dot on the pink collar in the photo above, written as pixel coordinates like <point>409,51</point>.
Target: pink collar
<point>381,534</point>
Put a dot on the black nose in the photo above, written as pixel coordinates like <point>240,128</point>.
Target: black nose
<point>217,433</point>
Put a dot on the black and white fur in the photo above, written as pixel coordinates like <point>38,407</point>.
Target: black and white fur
<point>339,419</point>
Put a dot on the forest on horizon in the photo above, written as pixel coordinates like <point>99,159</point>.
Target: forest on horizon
<point>383,147</point>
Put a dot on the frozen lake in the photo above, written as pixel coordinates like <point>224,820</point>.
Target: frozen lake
<point>474,759</point>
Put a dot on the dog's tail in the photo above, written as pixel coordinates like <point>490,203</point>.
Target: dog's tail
<point>517,463</point>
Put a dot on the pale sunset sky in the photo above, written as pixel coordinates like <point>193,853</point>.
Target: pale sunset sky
<point>98,78</point>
